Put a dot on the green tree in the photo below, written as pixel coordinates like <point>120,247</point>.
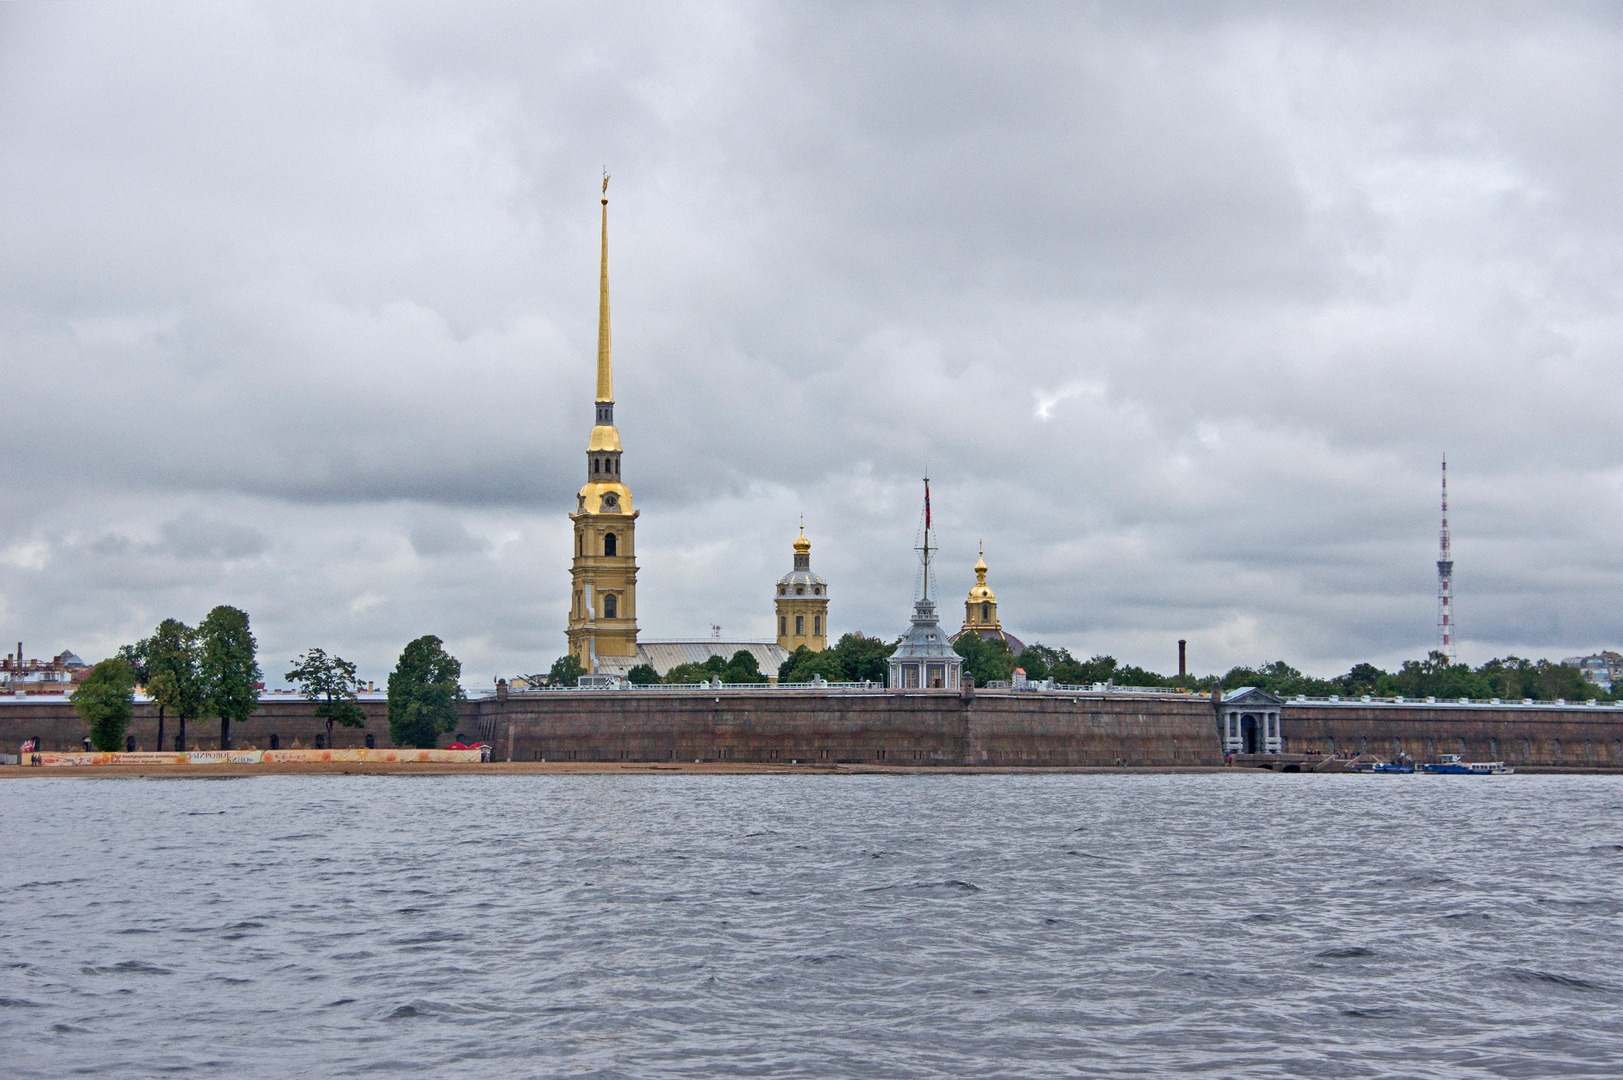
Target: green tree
<point>136,657</point>
<point>331,681</point>
<point>742,668</point>
<point>642,675</point>
<point>230,667</point>
<point>988,661</point>
<point>423,693</point>
<point>566,671</point>
<point>788,665</point>
<point>1360,679</point>
<point>807,663</point>
<point>105,700</point>
<point>174,674</point>
<point>698,671</point>
<point>864,659</point>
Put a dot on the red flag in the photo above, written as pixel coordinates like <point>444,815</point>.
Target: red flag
<point>927,504</point>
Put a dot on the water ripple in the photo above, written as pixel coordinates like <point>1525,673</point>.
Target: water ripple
<point>1211,925</point>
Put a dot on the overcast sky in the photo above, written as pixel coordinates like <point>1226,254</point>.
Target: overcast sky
<point>1178,304</point>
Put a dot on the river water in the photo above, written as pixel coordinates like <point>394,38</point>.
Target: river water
<point>1221,925</point>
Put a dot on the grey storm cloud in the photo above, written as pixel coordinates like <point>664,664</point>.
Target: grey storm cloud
<point>1179,304</point>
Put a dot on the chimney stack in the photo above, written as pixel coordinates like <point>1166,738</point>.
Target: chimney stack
<point>1183,658</point>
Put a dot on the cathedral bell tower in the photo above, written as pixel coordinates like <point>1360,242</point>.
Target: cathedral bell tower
<point>603,577</point>
<point>802,603</point>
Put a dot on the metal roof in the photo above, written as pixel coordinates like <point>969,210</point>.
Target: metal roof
<point>664,655</point>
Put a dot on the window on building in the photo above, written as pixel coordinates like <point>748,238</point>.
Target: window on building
<point>817,626</point>
<point>610,544</point>
<point>611,607</point>
<point>782,589</point>
<point>800,590</point>
<point>800,626</point>
<point>817,590</point>
<point>783,626</point>
<point>597,464</point>
<point>986,613</point>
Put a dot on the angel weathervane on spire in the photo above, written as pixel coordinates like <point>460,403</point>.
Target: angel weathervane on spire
<point>605,185</point>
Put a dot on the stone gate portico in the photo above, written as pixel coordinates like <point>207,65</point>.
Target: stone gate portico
<point>1248,722</point>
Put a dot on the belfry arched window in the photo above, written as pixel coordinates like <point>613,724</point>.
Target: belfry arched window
<point>610,544</point>
<point>986,612</point>
<point>611,606</point>
<point>597,464</point>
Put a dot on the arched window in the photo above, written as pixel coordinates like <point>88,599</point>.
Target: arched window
<point>611,606</point>
<point>986,613</point>
<point>800,590</point>
<point>617,466</point>
<point>800,626</point>
<point>610,544</point>
<point>580,544</point>
<point>597,464</point>
<point>783,625</point>
<point>782,589</point>
<point>817,626</point>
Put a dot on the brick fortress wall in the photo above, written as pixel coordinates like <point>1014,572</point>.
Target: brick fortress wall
<point>58,726</point>
<point>989,728</point>
<point>1554,735</point>
<point>878,727</point>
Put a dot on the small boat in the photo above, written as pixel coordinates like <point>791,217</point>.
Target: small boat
<point>1452,765</point>
<point>1392,767</point>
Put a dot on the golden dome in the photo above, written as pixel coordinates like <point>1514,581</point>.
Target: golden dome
<point>981,591</point>
<point>802,545</point>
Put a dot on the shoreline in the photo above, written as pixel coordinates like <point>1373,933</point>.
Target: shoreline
<point>640,768</point>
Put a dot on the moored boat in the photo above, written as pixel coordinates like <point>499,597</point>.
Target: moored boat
<point>1453,765</point>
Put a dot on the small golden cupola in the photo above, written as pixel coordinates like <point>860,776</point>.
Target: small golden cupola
<point>980,611</point>
<point>802,603</point>
<point>980,608</point>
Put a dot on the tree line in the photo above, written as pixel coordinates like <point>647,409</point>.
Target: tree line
<point>213,669</point>
<point>857,657</point>
<point>1509,678</point>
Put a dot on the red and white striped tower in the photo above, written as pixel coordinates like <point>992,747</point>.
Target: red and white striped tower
<point>1445,578</point>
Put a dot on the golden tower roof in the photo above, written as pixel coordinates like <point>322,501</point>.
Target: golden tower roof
<point>802,545</point>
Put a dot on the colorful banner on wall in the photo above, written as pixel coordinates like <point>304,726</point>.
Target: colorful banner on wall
<point>54,758</point>
<point>372,755</point>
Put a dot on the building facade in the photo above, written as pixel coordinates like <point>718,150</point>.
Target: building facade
<point>603,576</point>
<point>1248,722</point>
<point>1602,668</point>
<point>57,675</point>
<point>980,613</point>
<point>802,603</point>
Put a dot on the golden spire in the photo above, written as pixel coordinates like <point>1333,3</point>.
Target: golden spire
<point>605,367</point>
<point>980,569</point>
<point>802,545</point>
